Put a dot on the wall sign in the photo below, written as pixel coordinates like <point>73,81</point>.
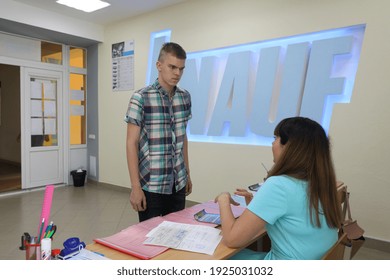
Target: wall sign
<point>239,93</point>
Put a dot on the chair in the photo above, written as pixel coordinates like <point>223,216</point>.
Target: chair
<point>337,250</point>
<point>341,193</point>
<point>353,245</point>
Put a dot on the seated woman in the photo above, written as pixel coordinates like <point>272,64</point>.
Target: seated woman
<point>297,204</point>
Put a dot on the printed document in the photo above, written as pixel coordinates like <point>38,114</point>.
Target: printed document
<point>194,238</point>
<point>86,254</point>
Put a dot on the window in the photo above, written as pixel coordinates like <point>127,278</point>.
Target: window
<point>77,57</point>
<point>51,53</point>
<point>43,112</point>
<point>77,78</point>
<point>77,109</point>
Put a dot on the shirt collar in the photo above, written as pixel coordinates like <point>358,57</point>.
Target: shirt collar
<point>158,87</point>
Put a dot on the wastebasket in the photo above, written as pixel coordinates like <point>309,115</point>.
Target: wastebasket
<point>78,177</point>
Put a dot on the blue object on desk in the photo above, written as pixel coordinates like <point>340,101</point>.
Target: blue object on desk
<point>203,216</point>
<point>72,246</point>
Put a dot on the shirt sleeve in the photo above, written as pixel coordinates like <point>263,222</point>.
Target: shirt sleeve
<point>134,112</point>
<point>189,107</point>
<point>270,201</point>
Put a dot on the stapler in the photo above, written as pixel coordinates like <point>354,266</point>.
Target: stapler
<point>72,246</point>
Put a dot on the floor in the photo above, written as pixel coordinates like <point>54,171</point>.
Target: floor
<point>88,212</point>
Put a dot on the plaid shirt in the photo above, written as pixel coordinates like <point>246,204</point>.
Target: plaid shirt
<point>163,124</point>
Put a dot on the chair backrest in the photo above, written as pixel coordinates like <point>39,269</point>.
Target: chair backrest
<point>341,196</point>
<point>341,193</point>
<point>337,250</point>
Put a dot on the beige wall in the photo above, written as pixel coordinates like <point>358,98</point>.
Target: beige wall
<point>359,130</point>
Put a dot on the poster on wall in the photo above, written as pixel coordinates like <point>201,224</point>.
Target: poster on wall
<point>123,66</point>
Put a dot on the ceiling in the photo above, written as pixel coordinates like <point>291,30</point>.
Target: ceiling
<point>118,10</point>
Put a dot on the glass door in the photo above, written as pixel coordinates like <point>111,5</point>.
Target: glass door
<point>43,147</point>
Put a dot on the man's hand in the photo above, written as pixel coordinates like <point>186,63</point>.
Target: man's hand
<point>189,186</point>
<point>137,199</point>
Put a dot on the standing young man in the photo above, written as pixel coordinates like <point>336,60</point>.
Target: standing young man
<point>156,145</point>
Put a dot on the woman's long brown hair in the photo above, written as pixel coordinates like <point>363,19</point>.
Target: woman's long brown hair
<point>306,155</point>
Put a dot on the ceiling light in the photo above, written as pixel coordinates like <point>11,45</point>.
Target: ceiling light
<point>85,5</point>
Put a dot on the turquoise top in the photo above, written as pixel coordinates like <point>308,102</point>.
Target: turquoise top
<point>282,202</point>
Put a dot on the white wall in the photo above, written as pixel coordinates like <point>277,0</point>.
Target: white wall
<point>359,130</point>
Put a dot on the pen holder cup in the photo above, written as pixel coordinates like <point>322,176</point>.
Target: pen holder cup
<point>33,251</point>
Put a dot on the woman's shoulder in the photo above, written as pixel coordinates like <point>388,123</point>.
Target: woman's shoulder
<point>284,180</point>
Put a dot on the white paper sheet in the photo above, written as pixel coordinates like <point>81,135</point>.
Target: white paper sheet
<point>36,108</point>
<point>77,95</point>
<point>49,90</point>
<point>36,126</point>
<point>86,254</point>
<point>36,89</point>
<point>50,108</point>
<point>50,126</point>
<point>194,238</point>
<point>77,110</point>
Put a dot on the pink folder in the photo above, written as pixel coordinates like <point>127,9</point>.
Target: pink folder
<point>130,240</point>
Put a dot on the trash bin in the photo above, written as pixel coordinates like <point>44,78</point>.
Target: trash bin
<point>78,177</point>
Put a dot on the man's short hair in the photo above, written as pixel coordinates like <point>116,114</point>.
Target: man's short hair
<point>174,49</point>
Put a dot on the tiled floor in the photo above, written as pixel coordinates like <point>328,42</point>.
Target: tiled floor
<point>86,212</point>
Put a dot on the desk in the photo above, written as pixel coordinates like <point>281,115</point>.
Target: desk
<point>183,216</point>
<point>222,252</point>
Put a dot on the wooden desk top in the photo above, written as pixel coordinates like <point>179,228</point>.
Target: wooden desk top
<point>222,252</point>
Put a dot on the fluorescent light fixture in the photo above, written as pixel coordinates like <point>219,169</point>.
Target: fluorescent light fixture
<point>84,5</point>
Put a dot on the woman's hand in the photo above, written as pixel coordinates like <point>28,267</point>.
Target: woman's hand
<point>246,194</point>
<point>225,196</point>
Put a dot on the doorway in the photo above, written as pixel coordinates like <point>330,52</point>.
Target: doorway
<point>10,128</point>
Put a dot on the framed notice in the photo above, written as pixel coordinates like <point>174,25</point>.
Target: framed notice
<point>122,66</point>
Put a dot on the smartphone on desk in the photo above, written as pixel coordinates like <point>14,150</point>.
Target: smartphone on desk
<point>255,187</point>
<point>203,216</point>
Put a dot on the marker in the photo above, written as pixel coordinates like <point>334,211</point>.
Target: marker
<point>48,229</point>
<point>53,230</point>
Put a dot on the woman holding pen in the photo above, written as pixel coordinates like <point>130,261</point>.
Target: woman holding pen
<point>297,204</point>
